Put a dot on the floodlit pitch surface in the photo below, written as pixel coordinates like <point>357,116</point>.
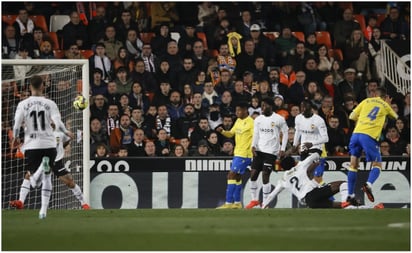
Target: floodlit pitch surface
<point>207,229</point>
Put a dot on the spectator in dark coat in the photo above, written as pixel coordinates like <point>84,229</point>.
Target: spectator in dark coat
<point>75,32</point>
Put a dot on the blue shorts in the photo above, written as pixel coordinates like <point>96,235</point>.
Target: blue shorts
<point>359,142</point>
<point>239,164</point>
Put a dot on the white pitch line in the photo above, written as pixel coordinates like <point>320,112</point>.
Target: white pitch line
<point>399,225</point>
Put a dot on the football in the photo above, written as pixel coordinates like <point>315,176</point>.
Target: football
<point>80,103</point>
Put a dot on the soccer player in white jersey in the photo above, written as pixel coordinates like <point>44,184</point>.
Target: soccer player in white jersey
<point>266,148</point>
<point>60,170</point>
<point>298,179</point>
<point>37,113</point>
<point>311,133</point>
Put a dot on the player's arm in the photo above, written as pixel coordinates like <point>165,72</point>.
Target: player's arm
<point>18,121</point>
<point>284,130</point>
<point>323,132</point>
<point>305,164</point>
<point>354,115</point>
<point>278,189</point>
<point>55,115</point>
<point>296,139</point>
<point>231,132</point>
<point>255,139</point>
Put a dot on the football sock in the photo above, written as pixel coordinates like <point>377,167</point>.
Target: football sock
<point>320,168</point>
<point>46,190</point>
<point>36,177</point>
<point>266,190</point>
<point>77,192</point>
<point>237,192</point>
<point>230,189</point>
<point>253,190</point>
<point>373,175</point>
<point>24,190</point>
<point>343,189</point>
<point>352,175</point>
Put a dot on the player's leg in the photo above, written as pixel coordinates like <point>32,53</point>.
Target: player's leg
<point>240,170</point>
<point>355,150</point>
<point>32,162</point>
<point>46,189</point>
<point>66,178</point>
<point>254,173</point>
<point>373,155</point>
<point>231,184</point>
<point>268,164</point>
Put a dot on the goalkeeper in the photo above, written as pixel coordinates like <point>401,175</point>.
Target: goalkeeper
<point>59,170</point>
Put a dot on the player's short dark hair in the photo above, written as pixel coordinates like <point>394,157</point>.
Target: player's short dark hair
<point>382,91</point>
<point>268,101</point>
<point>243,105</point>
<point>36,82</point>
<point>287,163</point>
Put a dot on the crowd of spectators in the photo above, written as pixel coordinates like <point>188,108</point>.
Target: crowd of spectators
<point>165,97</point>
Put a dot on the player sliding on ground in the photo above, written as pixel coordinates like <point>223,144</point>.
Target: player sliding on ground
<point>298,179</point>
<point>37,113</point>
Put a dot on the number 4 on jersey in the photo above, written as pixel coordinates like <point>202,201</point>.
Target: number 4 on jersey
<point>373,113</point>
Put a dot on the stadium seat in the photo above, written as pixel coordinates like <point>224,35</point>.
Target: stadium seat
<point>299,35</point>
<point>361,20</point>
<point>380,18</point>
<point>323,37</point>
<point>87,53</point>
<point>202,36</point>
<point>336,54</point>
<point>150,95</point>
<point>147,37</point>
<point>58,54</point>
<point>345,5</point>
<point>175,36</point>
<point>40,21</point>
<point>54,39</point>
<point>271,35</point>
<point>58,21</point>
<point>9,19</point>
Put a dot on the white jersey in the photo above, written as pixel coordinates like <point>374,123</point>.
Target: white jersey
<point>61,138</point>
<point>266,134</point>
<point>311,130</point>
<point>37,113</point>
<point>296,179</point>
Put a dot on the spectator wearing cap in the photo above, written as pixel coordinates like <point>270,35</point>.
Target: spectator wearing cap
<point>350,86</point>
<point>263,46</point>
<point>227,148</point>
<point>75,32</point>
<point>98,85</point>
<point>160,41</point>
<point>285,44</point>
<point>112,44</point>
<point>187,38</point>
<point>245,60</point>
<point>233,41</point>
<point>185,125</point>
<point>280,107</point>
<point>101,61</point>
<point>123,82</point>
<point>145,78</point>
<point>202,149</point>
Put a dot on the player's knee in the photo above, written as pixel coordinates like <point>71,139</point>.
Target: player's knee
<point>377,165</point>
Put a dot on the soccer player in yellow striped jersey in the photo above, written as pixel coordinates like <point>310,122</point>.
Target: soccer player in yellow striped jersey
<point>243,132</point>
<point>370,117</point>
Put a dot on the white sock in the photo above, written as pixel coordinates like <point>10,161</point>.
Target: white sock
<point>24,190</point>
<point>253,190</point>
<point>46,190</point>
<point>369,184</point>
<point>266,190</point>
<point>36,177</point>
<point>343,189</point>
<point>77,192</point>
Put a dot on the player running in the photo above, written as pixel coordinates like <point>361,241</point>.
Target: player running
<point>37,113</point>
<point>266,148</point>
<point>299,181</point>
<point>243,132</point>
<point>370,117</point>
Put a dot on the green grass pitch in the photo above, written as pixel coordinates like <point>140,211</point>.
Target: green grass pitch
<point>207,229</point>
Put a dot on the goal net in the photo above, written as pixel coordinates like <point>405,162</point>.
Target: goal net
<point>64,80</point>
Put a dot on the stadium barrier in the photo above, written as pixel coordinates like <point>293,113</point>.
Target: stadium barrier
<point>201,183</point>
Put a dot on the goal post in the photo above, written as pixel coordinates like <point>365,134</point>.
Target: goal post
<point>64,80</point>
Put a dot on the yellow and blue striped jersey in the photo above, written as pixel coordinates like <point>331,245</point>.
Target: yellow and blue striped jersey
<point>243,132</point>
<point>370,115</point>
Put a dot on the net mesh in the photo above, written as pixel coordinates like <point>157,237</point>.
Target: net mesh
<point>63,84</point>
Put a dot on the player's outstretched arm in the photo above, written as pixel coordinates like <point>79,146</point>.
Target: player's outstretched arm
<point>278,189</point>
